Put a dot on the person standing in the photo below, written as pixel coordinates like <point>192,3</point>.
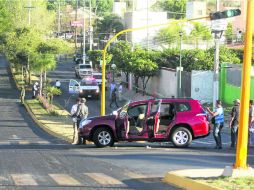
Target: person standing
<point>58,84</point>
<point>234,122</point>
<point>35,89</point>
<point>74,119</point>
<point>82,113</point>
<point>120,92</point>
<point>22,94</point>
<point>218,115</point>
<point>251,123</point>
<point>113,98</point>
<point>112,88</point>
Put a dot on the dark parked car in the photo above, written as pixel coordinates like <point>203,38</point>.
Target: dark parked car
<point>176,120</point>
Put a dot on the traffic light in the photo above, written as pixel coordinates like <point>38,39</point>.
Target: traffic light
<point>225,14</point>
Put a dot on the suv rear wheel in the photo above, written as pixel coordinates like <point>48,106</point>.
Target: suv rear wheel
<point>181,137</point>
<point>103,137</point>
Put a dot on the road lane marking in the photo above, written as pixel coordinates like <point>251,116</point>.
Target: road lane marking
<point>103,179</point>
<point>43,142</point>
<point>64,179</point>
<point>23,180</point>
<point>23,142</point>
<point>5,143</point>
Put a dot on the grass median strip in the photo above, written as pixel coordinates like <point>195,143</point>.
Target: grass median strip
<point>229,183</point>
<point>60,125</point>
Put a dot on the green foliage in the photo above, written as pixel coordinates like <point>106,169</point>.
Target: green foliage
<point>169,34</point>
<point>51,92</point>
<point>97,55</point>
<point>174,8</point>
<point>229,32</point>
<point>196,59</point>
<point>201,31</point>
<point>108,24</point>
<point>122,56</point>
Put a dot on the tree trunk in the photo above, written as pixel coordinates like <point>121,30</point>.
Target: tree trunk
<point>40,90</point>
<point>136,83</point>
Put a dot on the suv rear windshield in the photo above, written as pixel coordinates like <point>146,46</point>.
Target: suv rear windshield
<point>85,66</point>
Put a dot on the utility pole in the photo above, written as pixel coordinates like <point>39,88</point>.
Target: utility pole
<point>90,26</point>
<point>59,18</point>
<point>216,62</point>
<point>147,23</point>
<point>84,34</point>
<point>76,17</point>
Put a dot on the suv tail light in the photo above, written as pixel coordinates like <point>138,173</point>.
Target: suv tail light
<point>203,116</point>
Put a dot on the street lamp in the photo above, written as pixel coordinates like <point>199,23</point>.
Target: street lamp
<point>180,66</point>
<point>113,67</point>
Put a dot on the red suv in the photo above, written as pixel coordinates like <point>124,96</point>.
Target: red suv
<point>155,120</point>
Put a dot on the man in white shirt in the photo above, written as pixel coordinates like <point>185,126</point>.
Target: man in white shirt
<point>58,84</point>
<point>35,89</point>
<point>74,119</point>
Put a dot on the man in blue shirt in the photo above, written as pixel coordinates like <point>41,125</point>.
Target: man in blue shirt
<point>218,115</point>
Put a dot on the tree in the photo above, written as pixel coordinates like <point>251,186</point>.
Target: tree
<point>97,55</point>
<point>122,56</point>
<point>229,32</point>
<point>169,35</point>
<point>176,9</point>
<point>200,31</point>
<point>108,25</point>
<point>142,67</point>
<point>51,92</point>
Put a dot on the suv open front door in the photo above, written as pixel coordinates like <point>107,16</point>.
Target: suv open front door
<point>153,120</point>
<point>74,86</point>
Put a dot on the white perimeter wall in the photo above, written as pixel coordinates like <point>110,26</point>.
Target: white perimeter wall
<point>202,86</point>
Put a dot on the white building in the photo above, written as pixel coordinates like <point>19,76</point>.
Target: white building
<point>137,19</point>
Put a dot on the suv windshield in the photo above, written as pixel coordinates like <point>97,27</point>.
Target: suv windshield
<point>97,76</point>
<point>88,83</point>
<point>85,66</point>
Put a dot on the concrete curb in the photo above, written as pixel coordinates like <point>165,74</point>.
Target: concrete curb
<point>44,127</point>
<point>186,183</point>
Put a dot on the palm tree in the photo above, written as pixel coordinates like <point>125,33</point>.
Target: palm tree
<point>51,91</point>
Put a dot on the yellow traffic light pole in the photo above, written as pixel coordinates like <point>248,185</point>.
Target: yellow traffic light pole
<point>242,142</point>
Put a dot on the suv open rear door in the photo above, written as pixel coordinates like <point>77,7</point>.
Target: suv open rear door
<point>74,86</point>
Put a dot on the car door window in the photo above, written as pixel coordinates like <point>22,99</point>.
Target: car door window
<point>182,106</point>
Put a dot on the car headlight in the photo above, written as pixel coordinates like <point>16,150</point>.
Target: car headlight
<point>97,91</point>
<point>84,122</point>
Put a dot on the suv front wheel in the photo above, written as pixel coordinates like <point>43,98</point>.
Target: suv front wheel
<point>181,137</point>
<point>103,137</point>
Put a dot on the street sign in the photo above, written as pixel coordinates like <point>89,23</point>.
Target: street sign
<point>179,68</point>
<point>76,23</point>
<point>219,25</point>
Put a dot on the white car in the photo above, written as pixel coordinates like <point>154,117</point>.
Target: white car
<point>87,87</point>
<point>82,70</point>
<point>98,77</point>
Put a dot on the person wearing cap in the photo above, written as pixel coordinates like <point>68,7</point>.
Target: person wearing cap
<point>218,115</point>
<point>234,122</point>
<point>82,113</point>
<point>74,109</point>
